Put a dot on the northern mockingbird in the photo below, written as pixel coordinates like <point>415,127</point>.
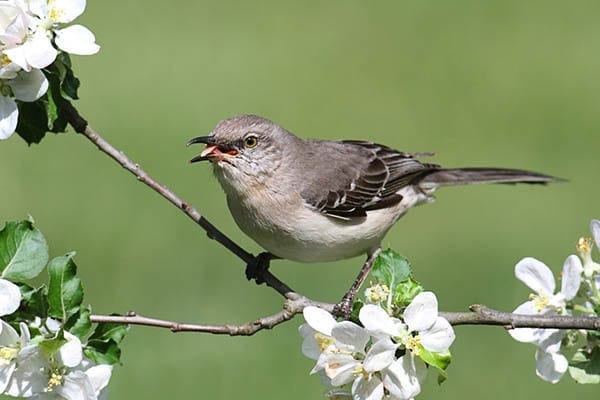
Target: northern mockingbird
<point>313,200</point>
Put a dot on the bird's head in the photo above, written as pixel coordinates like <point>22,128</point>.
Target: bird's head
<point>243,147</point>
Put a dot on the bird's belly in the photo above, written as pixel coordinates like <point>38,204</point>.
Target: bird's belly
<point>308,236</point>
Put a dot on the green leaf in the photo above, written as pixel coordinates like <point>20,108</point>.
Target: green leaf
<point>405,291</point>
<point>51,346</point>
<point>80,324</point>
<point>585,366</point>
<point>439,361</point>
<point>34,303</point>
<point>390,268</point>
<point>23,251</point>
<point>70,85</point>
<point>103,344</point>
<point>106,332</point>
<point>103,352</point>
<point>358,304</point>
<point>65,291</point>
<point>32,124</point>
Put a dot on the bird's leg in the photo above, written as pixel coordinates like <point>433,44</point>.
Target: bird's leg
<point>344,307</point>
<point>255,269</point>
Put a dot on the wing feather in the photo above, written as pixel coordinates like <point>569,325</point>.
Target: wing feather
<point>371,183</point>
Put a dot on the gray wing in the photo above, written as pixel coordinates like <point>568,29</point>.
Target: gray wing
<point>364,176</point>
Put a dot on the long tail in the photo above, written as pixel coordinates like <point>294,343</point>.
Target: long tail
<point>466,176</point>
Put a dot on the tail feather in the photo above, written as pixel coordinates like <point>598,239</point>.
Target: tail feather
<point>466,176</point>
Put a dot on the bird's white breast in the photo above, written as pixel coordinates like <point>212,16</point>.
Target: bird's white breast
<point>287,227</point>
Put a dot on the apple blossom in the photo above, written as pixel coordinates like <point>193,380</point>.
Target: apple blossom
<point>10,297</point>
<point>10,345</point>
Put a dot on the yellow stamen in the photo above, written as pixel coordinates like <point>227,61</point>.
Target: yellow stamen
<point>4,60</point>
<point>414,344</point>
<point>55,380</point>
<point>377,293</point>
<point>584,246</point>
<point>540,301</point>
<point>7,354</point>
<point>360,370</point>
<point>323,341</point>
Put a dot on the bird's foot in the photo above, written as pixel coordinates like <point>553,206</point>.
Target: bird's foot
<point>255,269</point>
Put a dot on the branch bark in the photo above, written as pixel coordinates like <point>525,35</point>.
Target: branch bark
<point>294,303</point>
<point>479,315</point>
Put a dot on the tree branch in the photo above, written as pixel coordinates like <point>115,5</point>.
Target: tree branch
<point>81,126</point>
<point>290,309</point>
<point>295,303</point>
<point>479,315</point>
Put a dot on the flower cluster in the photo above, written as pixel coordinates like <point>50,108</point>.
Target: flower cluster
<point>31,37</point>
<point>386,357</point>
<point>580,281</point>
<point>30,367</point>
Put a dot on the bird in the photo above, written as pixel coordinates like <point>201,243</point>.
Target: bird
<point>312,200</point>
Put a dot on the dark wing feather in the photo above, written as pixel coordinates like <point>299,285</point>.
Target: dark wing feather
<point>371,182</point>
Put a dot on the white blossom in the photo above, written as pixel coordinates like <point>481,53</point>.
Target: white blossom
<point>595,228</point>
<point>67,375</point>
<point>424,330</point>
<point>550,363</point>
<point>10,297</point>
<point>11,344</point>
<point>27,29</point>
<point>538,277</point>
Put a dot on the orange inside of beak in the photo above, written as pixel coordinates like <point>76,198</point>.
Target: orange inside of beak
<point>214,150</point>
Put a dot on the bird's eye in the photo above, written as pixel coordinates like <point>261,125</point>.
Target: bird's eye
<point>250,141</point>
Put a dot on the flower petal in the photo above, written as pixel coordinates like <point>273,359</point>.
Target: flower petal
<point>29,86</point>
<point>76,386</point>
<point>99,376</point>
<point>551,340</point>
<point>340,368</point>
<point>550,366</point>
<point>403,378</point>
<point>376,320</point>
<point>571,277</point>
<point>6,371</point>
<point>17,56</point>
<point>367,389</point>
<point>9,114</point>
<point>310,346</point>
<point>66,10</point>
<point>422,312</point>
<point>8,335</point>
<point>350,337</point>
<point>319,319</point>
<point>536,275</point>
<point>70,354</point>
<point>526,335</point>
<point>380,355</point>
<point>76,39</point>
<point>439,337</point>
<point>10,295</point>
<point>29,378</point>
<point>39,51</point>
<point>595,228</point>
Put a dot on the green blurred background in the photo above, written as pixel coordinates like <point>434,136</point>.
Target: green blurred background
<point>496,83</point>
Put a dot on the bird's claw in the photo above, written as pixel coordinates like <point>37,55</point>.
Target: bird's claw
<point>255,269</point>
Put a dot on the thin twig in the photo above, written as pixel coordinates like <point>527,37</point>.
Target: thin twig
<point>290,309</point>
<point>479,315</point>
<point>482,315</point>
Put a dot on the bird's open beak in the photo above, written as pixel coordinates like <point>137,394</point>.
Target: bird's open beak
<point>213,151</point>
